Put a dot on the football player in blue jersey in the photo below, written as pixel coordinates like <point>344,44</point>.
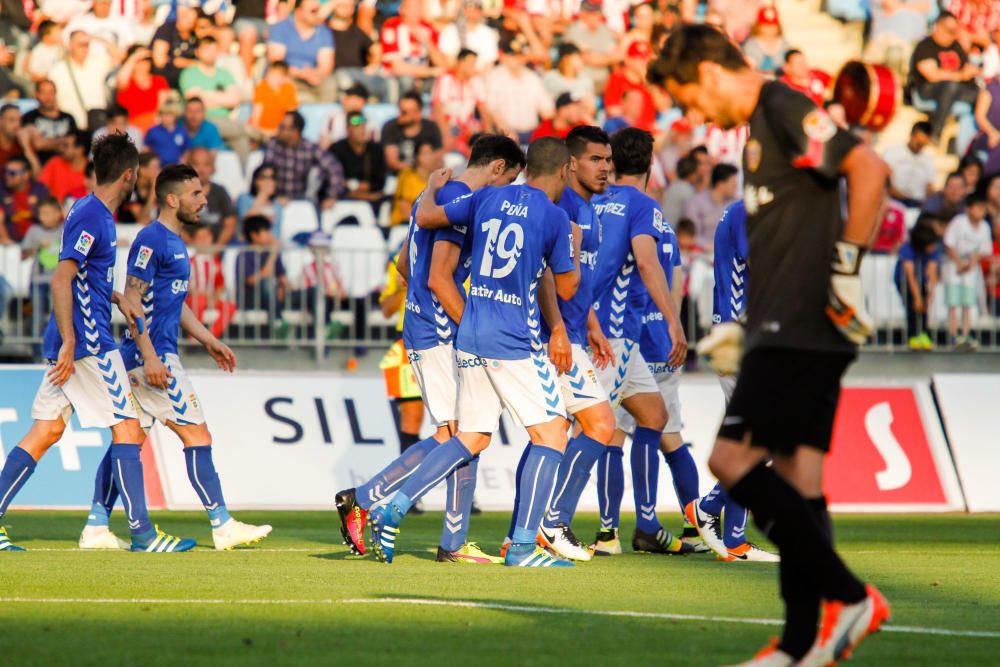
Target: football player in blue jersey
<point>86,372</point>
<point>158,274</point>
<point>655,346</point>
<point>517,233</point>
<point>436,263</point>
<point>585,398</point>
<point>632,225</point>
<point>728,305</point>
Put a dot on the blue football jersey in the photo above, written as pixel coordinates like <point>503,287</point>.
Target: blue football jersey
<point>625,213</point>
<point>159,257</point>
<point>90,238</point>
<point>516,233</point>
<point>654,339</point>
<point>575,311</point>
<point>731,251</point>
<point>426,324</point>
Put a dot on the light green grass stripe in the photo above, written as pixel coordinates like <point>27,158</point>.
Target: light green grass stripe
<point>470,604</point>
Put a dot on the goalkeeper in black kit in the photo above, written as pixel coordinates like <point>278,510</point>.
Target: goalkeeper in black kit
<point>805,319</point>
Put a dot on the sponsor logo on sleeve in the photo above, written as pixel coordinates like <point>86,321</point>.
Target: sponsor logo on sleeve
<point>658,220</point>
<point>84,243</point>
<point>818,126</point>
<point>143,256</point>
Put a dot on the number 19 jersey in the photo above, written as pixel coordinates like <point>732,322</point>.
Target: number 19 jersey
<point>516,233</point>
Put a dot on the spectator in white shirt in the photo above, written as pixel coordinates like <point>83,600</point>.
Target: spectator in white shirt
<point>47,52</point>
<point>966,241</point>
<point>471,32</point>
<point>515,96</point>
<point>110,35</point>
<point>81,79</point>
<point>568,77</point>
<point>913,168</point>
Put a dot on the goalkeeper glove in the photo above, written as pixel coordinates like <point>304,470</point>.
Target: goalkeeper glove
<point>846,307</point>
<point>722,348</point>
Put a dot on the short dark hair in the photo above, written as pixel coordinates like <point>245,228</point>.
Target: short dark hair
<point>722,173</point>
<point>412,95</point>
<point>954,174</point>
<point>82,138</point>
<point>113,154</point>
<point>944,16</point>
<point>632,151</point>
<point>9,107</point>
<point>923,127</point>
<point>278,65</point>
<point>171,177</point>
<point>687,166</point>
<point>20,159</point>
<point>690,45</point>
<point>45,27</point>
<point>699,149</point>
<point>298,120</point>
<point>116,111</point>
<point>489,147</point>
<point>465,53</point>
<point>580,136</point>
<point>207,39</point>
<point>49,200</point>
<point>546,155</point>
<point>254,224</point>
<point>146,158</point>
<point>975,197</point>
<point>194,100</point>
<point>791,53</point>
<point>923,234</point>
<point>686,226</point>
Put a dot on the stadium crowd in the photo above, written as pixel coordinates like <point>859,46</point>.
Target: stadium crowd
<point>338,102</point>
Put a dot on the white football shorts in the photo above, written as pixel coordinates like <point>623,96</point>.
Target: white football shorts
<point>580,387</point>
<point>628,376</point>
<point>178,403</point>
<point>98,391</point>
<point>669,384</point>
<point>437,378</point>
<point>528,388</point>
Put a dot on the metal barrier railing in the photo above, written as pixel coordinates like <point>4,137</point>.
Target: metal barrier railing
<point>327,298</point>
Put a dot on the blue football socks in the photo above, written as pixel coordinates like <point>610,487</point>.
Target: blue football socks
<point>105,493</point>
<point>517,491</point>
<point>461,487</point>
<point>16,471</point>
<point>574,472</point>
<point>645,477</point>
<point>435,467</point>
<point>611,486</point>
<point>205,481</point>
<point>389,479</point>
<point>684,473</point>
<point>535,487</point>
<point>127,471</point>
<point>714,500</point>
<point>734,524</point>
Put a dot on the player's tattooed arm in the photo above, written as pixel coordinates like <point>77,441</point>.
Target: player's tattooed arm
<point>154,370</point>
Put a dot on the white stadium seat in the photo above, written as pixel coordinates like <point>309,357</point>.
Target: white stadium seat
<point>361,210</point>
<point>360,257</point>
<point>315,116</point>
<point>298,216</point>
<point>229,173</point>
<point>397,234</point>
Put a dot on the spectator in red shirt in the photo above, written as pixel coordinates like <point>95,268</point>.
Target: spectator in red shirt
<point>409,45</point>
<point>796,75</point>
<point>140,91</point>
<point>892,231</point>
<point>977,19</point>
<point>569,114</point>
<point>19,198</point>
<point>632,76</point>
<point>10,129</point>
<point>207,287</point>
<point>63,175</point>
<point>458,103</point>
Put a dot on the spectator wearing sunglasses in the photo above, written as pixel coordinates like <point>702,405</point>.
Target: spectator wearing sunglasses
<point>20,195</point>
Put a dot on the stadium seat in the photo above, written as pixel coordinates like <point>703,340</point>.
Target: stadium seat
<point>229,173</point>
<point>16,271</point>
<point>380,114</point>
<point>315,116</point>
<point>254,160</point>
<point>24,105</point>
<point>391,181</point>
<point>397,234</point>
<point>455,162</point>
<point>361,210</point>
<point>385,214</point>
<point>359,254</point>
<point>881,296</point>
<point>298,216</point>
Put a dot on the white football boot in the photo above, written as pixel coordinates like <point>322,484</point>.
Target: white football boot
<point>100,538</point>
<point>561,541</point>
<point>235,533</point>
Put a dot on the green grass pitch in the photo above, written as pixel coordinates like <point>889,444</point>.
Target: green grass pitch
<point>283,602</point>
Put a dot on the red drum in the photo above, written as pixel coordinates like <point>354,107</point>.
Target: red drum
<point>869,94</point>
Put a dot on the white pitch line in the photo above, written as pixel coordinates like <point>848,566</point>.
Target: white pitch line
<point>470,604</point>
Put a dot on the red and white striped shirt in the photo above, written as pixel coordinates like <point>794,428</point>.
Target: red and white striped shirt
<point>331,278</point>
<point>206,274</point>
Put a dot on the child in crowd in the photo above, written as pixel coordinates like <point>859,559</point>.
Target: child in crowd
<point>168,139</point>
<point>916,277</point>
<point>43,242</point>
<point>207,287</point>
<point>273,97</point>
<point>47,52</point>
<point>966,241</point>
<point>259,270</point>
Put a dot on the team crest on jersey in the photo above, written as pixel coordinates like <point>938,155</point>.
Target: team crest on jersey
<point>658,220</point>
<point>818,126</point>
<point>751,155</point>
<point>143,256</point>
<point>84,243</point>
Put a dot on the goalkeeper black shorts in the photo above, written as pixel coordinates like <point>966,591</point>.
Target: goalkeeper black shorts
<point>785,399</point>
